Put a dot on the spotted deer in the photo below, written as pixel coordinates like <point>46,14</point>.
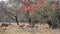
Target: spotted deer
<point>4,25</point>
<point>22,26</point>
<point>45,25</point>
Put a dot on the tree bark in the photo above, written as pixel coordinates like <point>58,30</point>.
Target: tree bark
<point>17,20</point>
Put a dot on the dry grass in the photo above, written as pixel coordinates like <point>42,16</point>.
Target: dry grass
<point>17,30</point>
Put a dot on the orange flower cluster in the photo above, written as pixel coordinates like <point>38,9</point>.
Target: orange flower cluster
<point>32,7</point>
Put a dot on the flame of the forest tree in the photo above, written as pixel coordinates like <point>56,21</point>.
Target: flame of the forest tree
<point>25,2</point>
<point>40,2</point>
<point>32,7</point>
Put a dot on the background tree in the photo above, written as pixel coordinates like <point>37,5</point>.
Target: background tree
<point>32,11</point>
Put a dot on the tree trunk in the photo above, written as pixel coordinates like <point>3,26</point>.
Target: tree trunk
<point>17,20</point>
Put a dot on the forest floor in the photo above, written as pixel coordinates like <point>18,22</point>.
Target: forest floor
<point>17,30</point>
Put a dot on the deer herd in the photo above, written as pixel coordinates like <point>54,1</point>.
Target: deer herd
<point>26,25</point>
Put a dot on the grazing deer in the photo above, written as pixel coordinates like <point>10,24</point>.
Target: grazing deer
<point>28,26</point>
<point>22,26</point>
<point>4,25</point>
<point>45,25</point>
<point>36,26</point>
